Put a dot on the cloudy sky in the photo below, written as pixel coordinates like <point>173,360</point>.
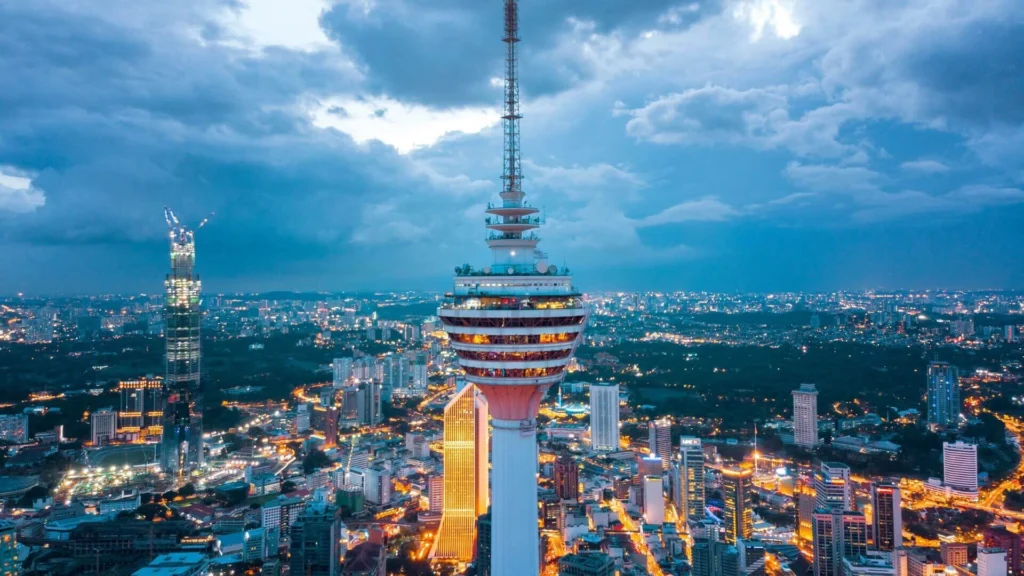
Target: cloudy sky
<point>353,144</point>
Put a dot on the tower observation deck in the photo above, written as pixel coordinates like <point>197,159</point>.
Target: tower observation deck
<point>515,325</point>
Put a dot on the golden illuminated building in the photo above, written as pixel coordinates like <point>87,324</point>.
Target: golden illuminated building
<point>739,514</point>
<point>465,475</point>
<point>142,408</point>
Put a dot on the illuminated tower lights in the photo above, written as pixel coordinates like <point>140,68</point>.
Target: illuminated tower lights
<point>514,325</point>
<point>181,451</point>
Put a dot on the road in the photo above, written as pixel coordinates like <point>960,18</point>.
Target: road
<point>637,536</point>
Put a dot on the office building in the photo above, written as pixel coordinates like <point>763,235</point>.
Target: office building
<point>654,501</point>
<point>943,395</point>
<point>181,445</point>
<point>14,428</point>
<point>992,562</point>
<point>659,440</point>
<point>688,478</point>
<point>823,544</point>
<point>317,541</point>
<point>832,487</point>
<point>566,477</point>
<point>960,467</point>
<point>886,516</point>
<point>483,545</point>
<point>604,416</point>
<point>142,408</point>
<point>591,564</point>
<point>419,371</point>
<point>465,475</point>
<point>103,423</point>
<point>1009,542</point>
<point>953,553</point>
<point>302,418</point>
<point>727,560</point>
<point>805,416</point>
<point>739,514</point>
<point>852,533</point>
<point>10,565</point>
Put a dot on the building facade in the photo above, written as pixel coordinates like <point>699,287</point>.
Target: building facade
<point>181,446</point>
<point>886,516</point>
<point>805,416</point>
<point>943,395</point>
<point>659,440</point>
<point>739,513</point>
<point>960,467</point>
<point>465,475</point>
<point>604,416</point>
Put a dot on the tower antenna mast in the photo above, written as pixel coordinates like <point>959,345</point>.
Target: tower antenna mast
<point>512,191</point>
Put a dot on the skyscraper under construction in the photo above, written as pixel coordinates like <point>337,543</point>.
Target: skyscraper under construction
<point>181,447</point>
<point>515,325</point>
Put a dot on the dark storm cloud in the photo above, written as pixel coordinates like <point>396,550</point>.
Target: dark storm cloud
<point>444,52</point>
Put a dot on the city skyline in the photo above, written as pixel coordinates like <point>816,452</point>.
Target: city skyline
<point>755,147</point>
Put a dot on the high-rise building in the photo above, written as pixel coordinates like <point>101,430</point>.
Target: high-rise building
<point>992,562</point>
<point>1010,542</point>
<point>604,416</point>
<point>659,440</point>
<point>395,373</point>
<point>181,445</point>
<point>943,395</point>
<point>688,478</point>
<point>514,325</point>
<point>739,514</point>
<point>377,485</point>
<point>566,477</point>
<point>483,545</point>
<point>832,487</point>
<point>103,426</point>
<point>14,428</point>
<point>654,501</point>
<point>436,494</point>
<point>368,400</point>
<point>824,543</point>
<point>805,416</point>
<point>886,518</point>
<point>805,506</point>
<point>419,371</point>
<point>853,534</point>
<point>953,553</point>
<point>9,563</point>
<point>142,407</point>
<point>591,564</point>
<point>342,368</point>
<point>317,541</point>
<point>465,475</point>
<point>702,557</point>
<point>960,467</point>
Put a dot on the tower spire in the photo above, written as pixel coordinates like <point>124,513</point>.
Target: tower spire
<point>512,192</point>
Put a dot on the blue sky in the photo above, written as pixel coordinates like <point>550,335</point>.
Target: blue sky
<point>353,144</point>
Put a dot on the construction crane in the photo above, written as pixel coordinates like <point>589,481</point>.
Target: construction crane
<point>179,231</point>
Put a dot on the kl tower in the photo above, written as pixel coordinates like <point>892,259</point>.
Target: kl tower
<point>514,325</point>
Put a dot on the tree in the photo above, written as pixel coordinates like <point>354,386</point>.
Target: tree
<point>170,495</point>
<point>315,460</point>
<point>287,486</point>
<point>187,490</point>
